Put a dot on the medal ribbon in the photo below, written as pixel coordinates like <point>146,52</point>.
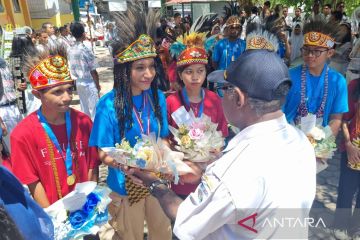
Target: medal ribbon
<point>187,102</point>
<point>146,99</point>
<point>139,118</point>
<point>50,133</point>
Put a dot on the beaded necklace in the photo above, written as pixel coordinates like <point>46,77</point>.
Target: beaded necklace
<point>302,110</point>
<point>54,166</point>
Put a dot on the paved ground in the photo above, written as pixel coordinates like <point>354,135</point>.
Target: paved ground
<point>327,181</point>
<point>325,202</point>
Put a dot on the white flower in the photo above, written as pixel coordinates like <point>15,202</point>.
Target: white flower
<point>317,133</point>
<point>195,54</point>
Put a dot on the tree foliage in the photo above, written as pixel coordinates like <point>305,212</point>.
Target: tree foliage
<point>350,5</point>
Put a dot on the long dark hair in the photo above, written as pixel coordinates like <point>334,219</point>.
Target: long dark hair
<point>123,97</point>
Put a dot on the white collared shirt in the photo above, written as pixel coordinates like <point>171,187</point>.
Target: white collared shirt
<point>267,166</point>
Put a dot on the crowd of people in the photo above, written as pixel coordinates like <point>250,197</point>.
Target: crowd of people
<point>256,74</point>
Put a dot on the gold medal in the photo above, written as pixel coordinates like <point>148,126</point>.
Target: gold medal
<point>70,180</point>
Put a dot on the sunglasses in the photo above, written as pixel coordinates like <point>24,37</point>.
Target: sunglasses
<point>224,88</point>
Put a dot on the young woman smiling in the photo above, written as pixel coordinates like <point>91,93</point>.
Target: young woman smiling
<point>134,107</point>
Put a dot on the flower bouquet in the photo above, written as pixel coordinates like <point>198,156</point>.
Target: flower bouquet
<point>323,141</point>
<point>81,212</point>
<point>324,145</point>
<point>197,138</point>
<point>149,154</point>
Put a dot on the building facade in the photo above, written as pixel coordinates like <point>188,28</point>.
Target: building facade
<point>14,12</point>
<point>57,12</point>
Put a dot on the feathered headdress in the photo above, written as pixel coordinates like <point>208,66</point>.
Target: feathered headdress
<point>321,34</point>
<point>189,49</point>
<point>48,68</point>
<point>203,23</point>
<point>259,38</point>
<point>136,29</point>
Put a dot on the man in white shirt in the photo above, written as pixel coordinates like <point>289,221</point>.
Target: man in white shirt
<point>254,18</point>
<point>316,15</point>
<point>64,37</point>
<point>49,29</point>
<point>267,172</point>
<point>83,70</point>
<point>288,19</point>
<point>327,12</point>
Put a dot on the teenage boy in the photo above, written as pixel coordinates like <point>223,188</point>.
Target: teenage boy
<point>317,89</point>
<point>50,152</point>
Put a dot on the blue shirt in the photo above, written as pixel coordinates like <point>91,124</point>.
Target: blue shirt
<point>336,102</point>
<point>28,216</point>
<point>225,51</point>
<point>106,133</point>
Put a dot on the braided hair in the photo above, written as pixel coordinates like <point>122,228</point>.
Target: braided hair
<point>137,20</point>
<point>123,97</point>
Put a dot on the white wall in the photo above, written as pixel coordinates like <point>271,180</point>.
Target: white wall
<point>200,9</point>
<point>218,7</point>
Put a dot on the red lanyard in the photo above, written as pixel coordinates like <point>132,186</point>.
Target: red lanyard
<point>139,119</point>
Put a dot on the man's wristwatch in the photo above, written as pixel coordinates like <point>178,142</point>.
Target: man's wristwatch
<point>158,182</point>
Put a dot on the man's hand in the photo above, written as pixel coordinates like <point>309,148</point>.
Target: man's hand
<point>141,177</point>
<point>192,178</point>
<point>353,153</point>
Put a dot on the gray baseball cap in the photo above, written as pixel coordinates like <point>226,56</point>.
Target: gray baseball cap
<point>257,72</point>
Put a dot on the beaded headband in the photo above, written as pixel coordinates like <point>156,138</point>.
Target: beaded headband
<point>258,43</point>
<point>143,47</point>
<point>50,72</point>
<point>318,39</point>
<point>192,55</point>
<point>261,39</point>
<point>233,21</point>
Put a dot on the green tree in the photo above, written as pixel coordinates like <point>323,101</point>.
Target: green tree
<point>350,5</point>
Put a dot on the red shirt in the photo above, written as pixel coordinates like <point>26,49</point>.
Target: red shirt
<point>30,155</point>
<point>353,109</point>
<point>212,108</point>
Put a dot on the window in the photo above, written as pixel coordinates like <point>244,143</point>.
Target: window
<point>1,6</point>
<point>16,6</point>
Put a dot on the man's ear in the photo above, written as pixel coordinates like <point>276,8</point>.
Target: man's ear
<point>36,93</point>
<point>240,97</point>
<point>331,53</point>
